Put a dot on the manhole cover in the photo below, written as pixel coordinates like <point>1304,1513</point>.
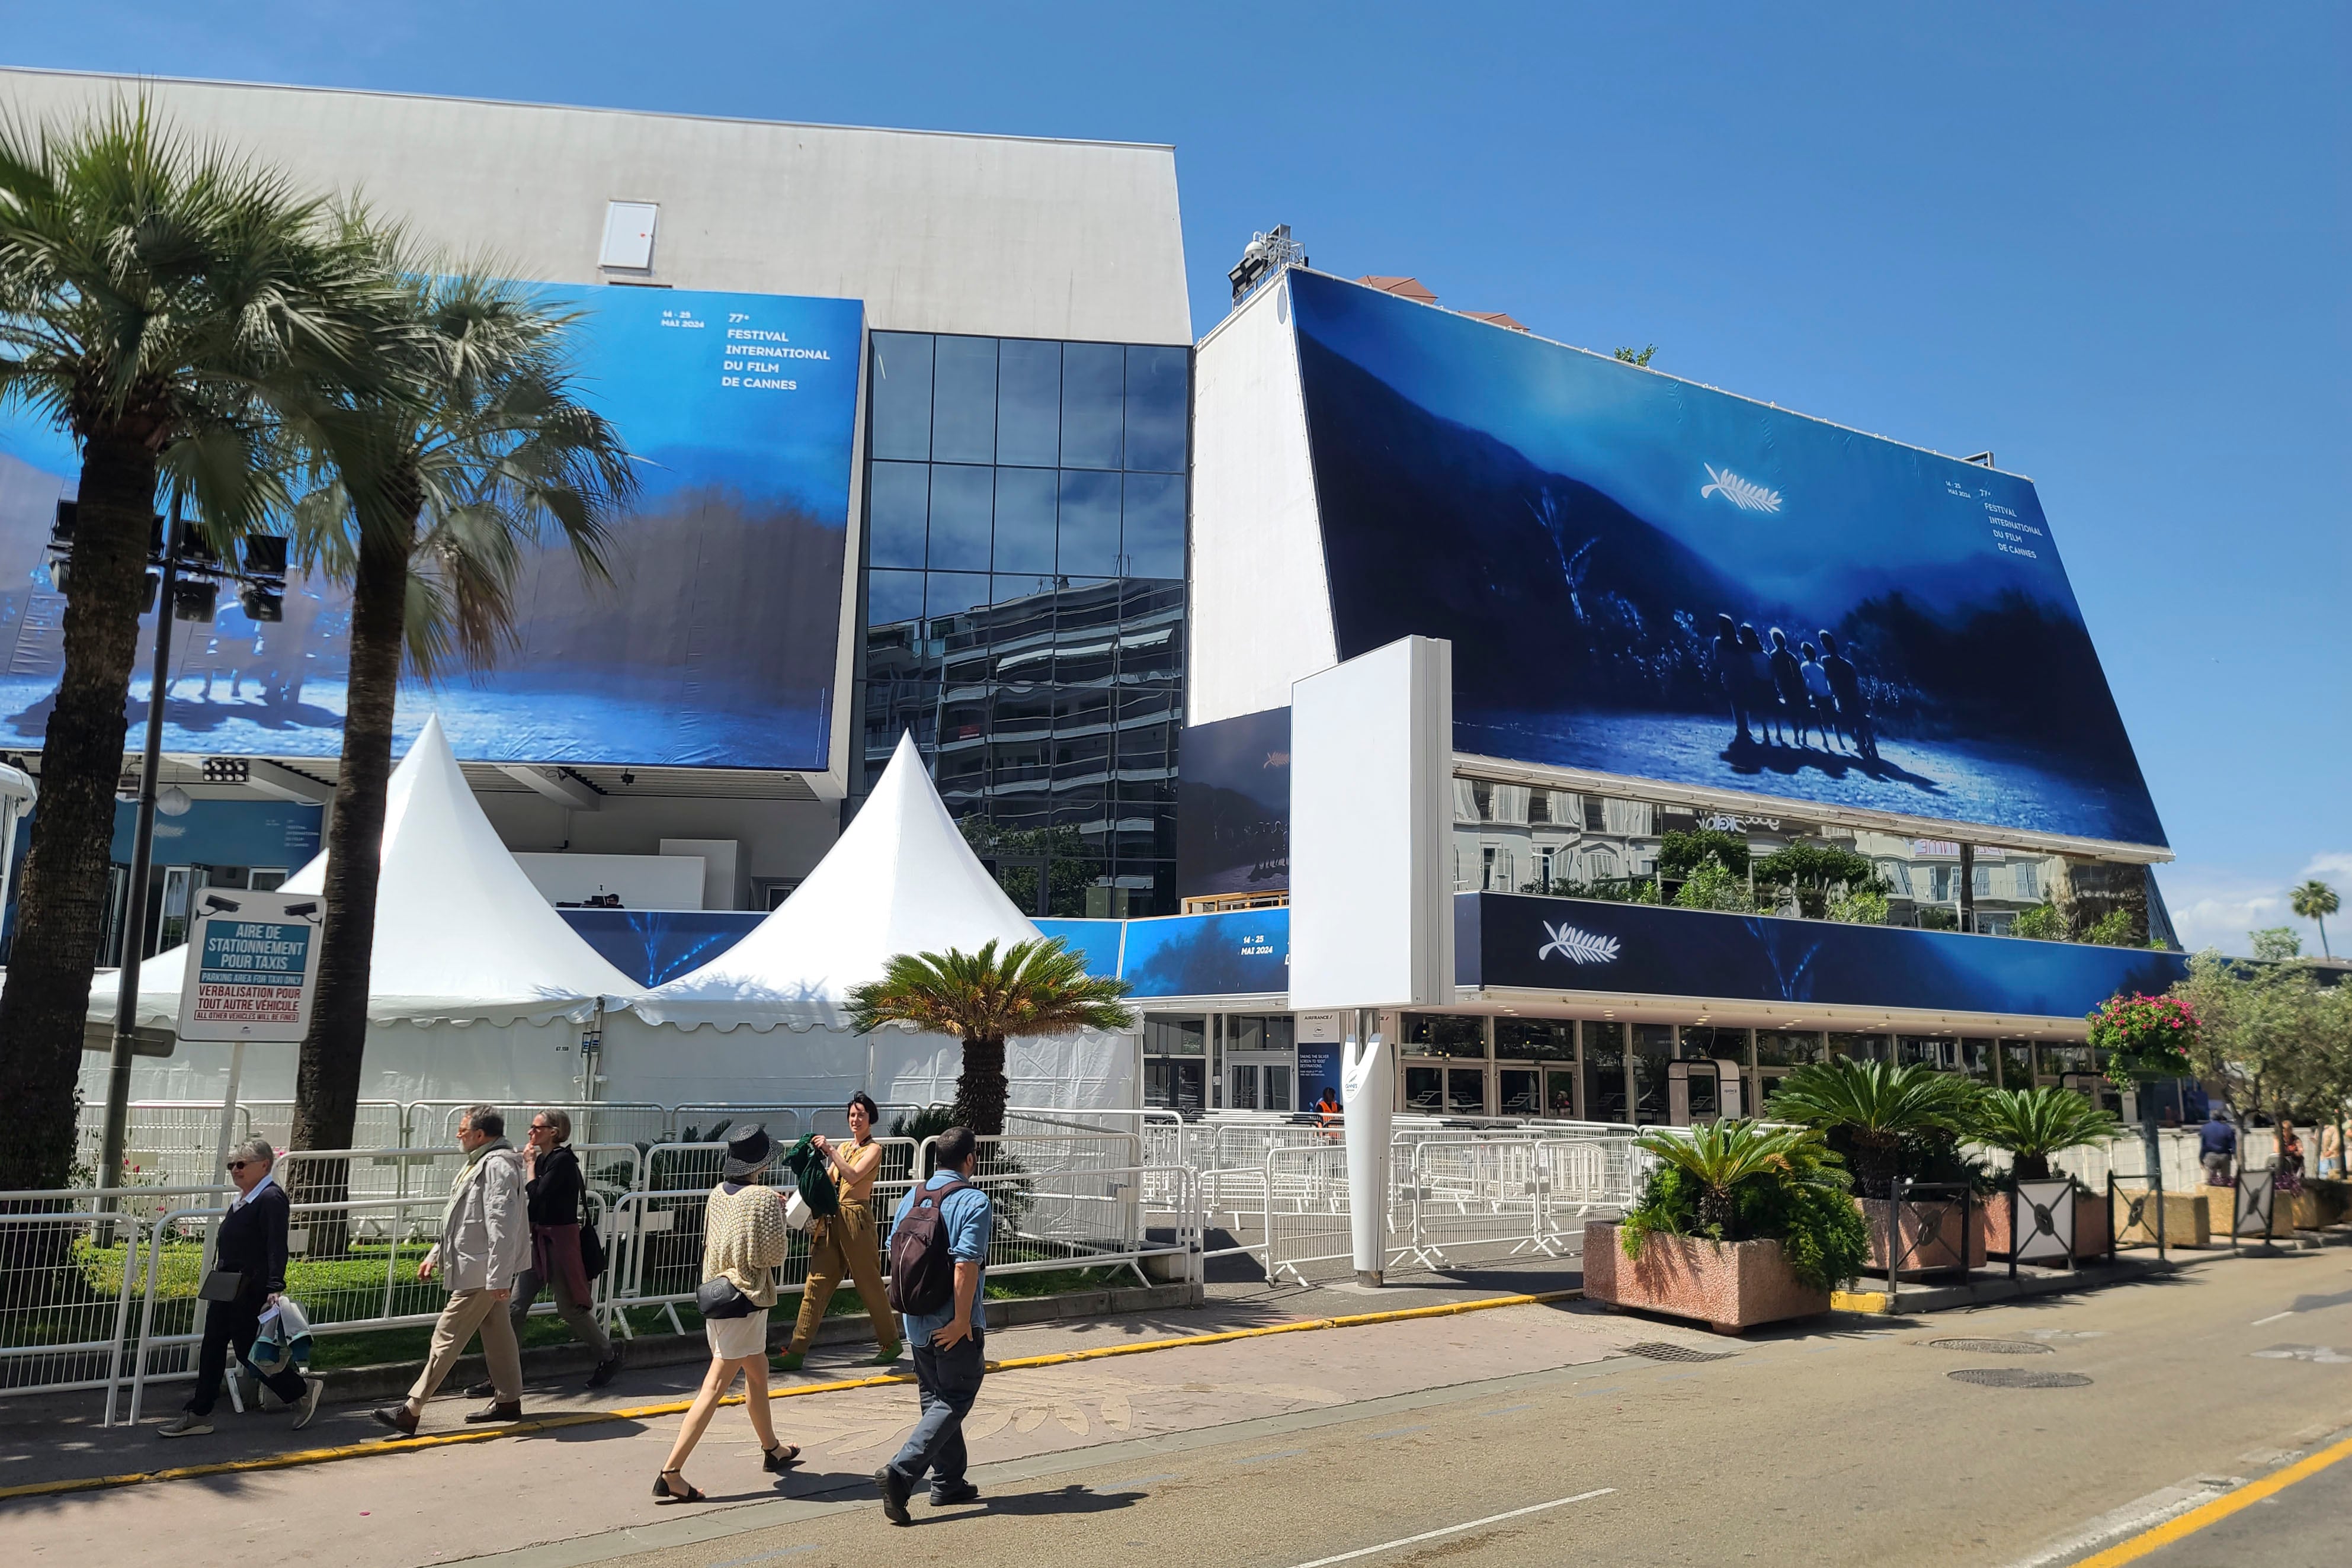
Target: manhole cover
<point>1657,1351</point>
<point>1990,1346</point>
<point>2018,1377</point>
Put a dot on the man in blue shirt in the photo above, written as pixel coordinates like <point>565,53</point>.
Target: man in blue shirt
<point>2217,1144</point>
<point>947,1342</point>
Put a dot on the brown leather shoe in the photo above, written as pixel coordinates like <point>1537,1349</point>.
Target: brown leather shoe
<point>397,1418</point>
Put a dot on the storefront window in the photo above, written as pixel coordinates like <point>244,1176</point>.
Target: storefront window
<point>1442,1034</point>
<point>1535,1040</point>
<point>1974,1057</point>
<point>2017,1064</point>
<point>1175,1084</point>
<point>1518,1092</point>
<point>1272,1033</point>
<point>1919,1051</point>
<point>1779,1047</point>
<point>1466,1090</point>
<point>1702,1043</point>
<point>1654,1048</point>
<point>1175,1037</point>
<point>1604,1071</point>
<point>1861,1046</point>
<point>1425,1090</point>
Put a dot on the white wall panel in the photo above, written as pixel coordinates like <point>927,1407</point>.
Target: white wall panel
<point>1371,815</point>
<point>1261,601</point>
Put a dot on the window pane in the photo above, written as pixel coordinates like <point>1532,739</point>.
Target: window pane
<point>902,396</point>
<point>1518,1092</point>
<point>1525,1040</point>
<point>1090,525</point>
<point>1466,1090</point>
<point>1153,536</point>
<point>1424,1089</point>
<point>1442,1034</point>
<point>892,597</point>
<point>961,500</point>
<point>1092,374</point>
<point>956,605</point>
<point>895,505</point>
<point>1029,402</point>
<point>1155,409</point>
<point>963,401</point>
<point>1654,1047</point>
<point>1604,1072</point>
<point>1024,519</point>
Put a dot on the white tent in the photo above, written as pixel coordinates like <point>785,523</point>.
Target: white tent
<point>477,986</point>
<point>768,1020</point>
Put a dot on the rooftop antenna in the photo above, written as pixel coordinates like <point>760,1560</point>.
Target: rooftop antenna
<point>1263,257</point>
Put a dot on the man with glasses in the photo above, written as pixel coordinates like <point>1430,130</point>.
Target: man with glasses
<point>248,1275</point>
<point>556,1194</point>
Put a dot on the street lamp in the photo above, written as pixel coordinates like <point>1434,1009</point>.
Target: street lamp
<point>191,573</point>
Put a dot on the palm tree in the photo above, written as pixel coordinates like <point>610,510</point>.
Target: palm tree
<point>156,299</point>
<point>1036,988</point>
<point>2035,1123</point>
<point>1723,1156</point>
<point>429,492</point>
<point>1878,1106</point>
<point>2315,899</point>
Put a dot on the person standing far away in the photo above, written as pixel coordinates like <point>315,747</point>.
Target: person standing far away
<point>1845,685</point>
<point>2217,1146</point>
<point>1327,1113</point>
<point>1788,681</point>
<point>1817,695</point>
<point>250,1244</point>
<point>1731,669</point>
<point>1759,685</point>
<point>557,1195</point>
<point>485,1246</point>
<point>938,1250</point>
<point>744,1240</point>
<point>845,1243</point>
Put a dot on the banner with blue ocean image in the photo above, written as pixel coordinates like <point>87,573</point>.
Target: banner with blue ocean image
<point>1579,944</point>
<point>1648,577</point>
<point>713,646</point>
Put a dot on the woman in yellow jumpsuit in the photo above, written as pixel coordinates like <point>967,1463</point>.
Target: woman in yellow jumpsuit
<point>846,1243</point>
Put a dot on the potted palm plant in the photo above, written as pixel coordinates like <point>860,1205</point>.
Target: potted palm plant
<point>2031,1125</point>
<point>1875,1108</point>
<point>1738,1224</point>
<point>984,999</point>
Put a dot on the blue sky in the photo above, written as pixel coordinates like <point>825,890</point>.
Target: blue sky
<point>2107,242</point>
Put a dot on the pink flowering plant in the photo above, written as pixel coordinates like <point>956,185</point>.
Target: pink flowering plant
<point>2145,1037</point>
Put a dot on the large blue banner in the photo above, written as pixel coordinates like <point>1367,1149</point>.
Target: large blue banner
<point>1648,577</point>
<point>1576,944</point>
<point>714,645</point>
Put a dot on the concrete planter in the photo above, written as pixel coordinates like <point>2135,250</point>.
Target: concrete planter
<point>1941,1255</point>
<point>1728,1285</point>
<point>2188,1222</point>
<point>2090,1224</point>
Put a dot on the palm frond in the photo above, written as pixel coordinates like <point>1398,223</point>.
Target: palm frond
<point>1876,1102</point>
<point>1036,988</point>
<point>2035,1123</point>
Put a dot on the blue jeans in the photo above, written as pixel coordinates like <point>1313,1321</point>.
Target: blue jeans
<point>948,1381</point>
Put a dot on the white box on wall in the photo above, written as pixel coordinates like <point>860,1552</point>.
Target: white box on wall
<point>1372,822</point>
<point>641,882</point>
<point>723,880</point>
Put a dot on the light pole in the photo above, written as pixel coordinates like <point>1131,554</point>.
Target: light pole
<point>263,599</point>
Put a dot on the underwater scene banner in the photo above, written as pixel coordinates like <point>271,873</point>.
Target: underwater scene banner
<point>712,646</point>
<point>1649,577</point>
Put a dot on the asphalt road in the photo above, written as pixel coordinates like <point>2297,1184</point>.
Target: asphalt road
<point>1525,1435</point>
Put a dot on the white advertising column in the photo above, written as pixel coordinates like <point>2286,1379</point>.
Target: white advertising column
<point>1368,1097</point>
<point>1371,882</point>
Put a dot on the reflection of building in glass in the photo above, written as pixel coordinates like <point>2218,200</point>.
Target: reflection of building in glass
<point>1025,604</point>
<point>1517,838</point>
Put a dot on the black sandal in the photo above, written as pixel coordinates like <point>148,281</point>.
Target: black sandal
<point>661,1488</point>
<point>781,1458</point>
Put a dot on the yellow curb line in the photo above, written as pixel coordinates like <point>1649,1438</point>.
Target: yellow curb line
<point>678,1407</point>
<point>2219,1509</point>
<point>1857,1301</point>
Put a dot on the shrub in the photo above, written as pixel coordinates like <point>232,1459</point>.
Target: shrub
<point>1742,1181</point>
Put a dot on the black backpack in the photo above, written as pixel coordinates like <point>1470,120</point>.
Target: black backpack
<point>922,1272</point>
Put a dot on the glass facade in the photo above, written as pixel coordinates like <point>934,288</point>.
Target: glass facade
<point>1025,604</point>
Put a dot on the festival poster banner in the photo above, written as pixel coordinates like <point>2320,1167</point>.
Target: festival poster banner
<point>253,965</point>
<point>1651,578</point>
<point>712,646</point>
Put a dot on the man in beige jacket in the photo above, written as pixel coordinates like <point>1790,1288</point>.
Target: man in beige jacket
<point>485,1244</point>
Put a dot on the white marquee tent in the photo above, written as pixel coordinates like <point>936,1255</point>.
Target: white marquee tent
<point>767,1021</point>
<point>477,986</point>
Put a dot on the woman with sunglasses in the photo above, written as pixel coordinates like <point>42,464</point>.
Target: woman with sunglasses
<point>249,1244</point>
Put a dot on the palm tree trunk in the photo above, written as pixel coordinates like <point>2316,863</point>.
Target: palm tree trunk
<point>327,1082</point>
<point>981,1089</point>
<point>61,900</point>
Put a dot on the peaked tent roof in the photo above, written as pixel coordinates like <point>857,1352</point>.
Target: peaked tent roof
<point>899,880</point>
<point>461,934</point>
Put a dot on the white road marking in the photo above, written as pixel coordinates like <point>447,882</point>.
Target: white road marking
<point>2274,1317</point>
<point>2140,1514</point>
<point>1457,1529</point>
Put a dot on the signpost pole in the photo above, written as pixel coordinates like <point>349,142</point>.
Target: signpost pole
<point>143,859</point>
